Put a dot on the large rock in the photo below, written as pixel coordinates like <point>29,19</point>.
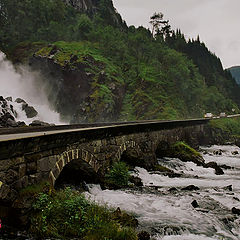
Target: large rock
<point>29,110</point>
<point>7,114</point>
<point>218,170</point>
<point>38,123</point>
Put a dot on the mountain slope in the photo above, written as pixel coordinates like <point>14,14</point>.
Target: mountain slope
<point>235,71</point>
<point>102,70</point>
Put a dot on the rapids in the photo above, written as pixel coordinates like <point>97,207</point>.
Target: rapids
<point>165,210</point>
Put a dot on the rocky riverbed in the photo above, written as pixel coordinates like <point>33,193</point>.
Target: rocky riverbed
<point>197,205</point>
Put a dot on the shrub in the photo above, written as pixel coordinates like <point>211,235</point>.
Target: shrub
<point>67,214</point>
<point>118,176</point>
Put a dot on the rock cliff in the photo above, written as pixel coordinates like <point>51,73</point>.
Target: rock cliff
<point>83,5</point>
<point>81,87</point>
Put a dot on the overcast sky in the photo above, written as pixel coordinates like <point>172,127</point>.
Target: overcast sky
<point>215,21</point>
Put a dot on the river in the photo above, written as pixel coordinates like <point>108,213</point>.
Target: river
<point>166,211</point>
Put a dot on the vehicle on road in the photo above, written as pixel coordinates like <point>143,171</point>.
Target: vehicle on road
<point>222,114</point>
<point>208,115</point>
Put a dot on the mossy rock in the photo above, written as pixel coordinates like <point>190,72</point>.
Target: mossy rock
<point>161,168</point>
<point>186,153</point>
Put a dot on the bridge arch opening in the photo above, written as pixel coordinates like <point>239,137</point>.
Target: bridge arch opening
<point>162,150</point>
<point>76,173</point>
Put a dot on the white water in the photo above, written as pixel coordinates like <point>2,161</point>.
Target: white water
<point>169,215</point>
<point>23,83</point>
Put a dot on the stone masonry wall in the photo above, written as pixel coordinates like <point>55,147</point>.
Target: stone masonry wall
<point>29,161</point>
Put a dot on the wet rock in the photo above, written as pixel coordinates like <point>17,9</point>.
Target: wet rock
<point>218,152</point>
<point>235,153</point>
<point>224,166</point>
<point>143,235</point>
<point>210,165</point>
<point>136,181</point>
<point>9,99</point>
<point>236,211</point>
<point>237,199</point>
<point>229,188</point>
<point>21,124</point>
<point>173,189</point>
<point>29,110</point>
<point>194,203</point>
<point>218,170</point>
<point>36,123</point>
<point>19,100</point>
<point>11,123</point>
<point>191,188</point>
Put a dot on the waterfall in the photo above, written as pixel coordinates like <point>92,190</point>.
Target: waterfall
<point>23,83</point>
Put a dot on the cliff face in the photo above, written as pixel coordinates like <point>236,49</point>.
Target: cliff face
<point>83,5</point>
<point>80,87</point>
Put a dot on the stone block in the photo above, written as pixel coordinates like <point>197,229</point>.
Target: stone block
<point>34,178</point>
<point>46,164</point>
<point>32,157</point>
<point>21,183</point>
<point>31,167</point>
<point>9,163</point>
<point>22,170</point>
<point>11,176</point>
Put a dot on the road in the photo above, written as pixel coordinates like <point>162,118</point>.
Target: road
<point>7,134</point>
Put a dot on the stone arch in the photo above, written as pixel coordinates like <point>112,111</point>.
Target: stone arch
<point>68,156</point>
<point>162,148</point>
<point>124,146</point>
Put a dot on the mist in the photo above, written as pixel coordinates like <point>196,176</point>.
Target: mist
<point>26,84</point>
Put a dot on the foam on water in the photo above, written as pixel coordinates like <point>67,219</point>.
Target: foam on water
<point>23,83</point>
<point>169,214</point>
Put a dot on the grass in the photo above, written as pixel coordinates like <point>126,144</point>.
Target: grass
<point>35,189</point>
<point>67,214</point>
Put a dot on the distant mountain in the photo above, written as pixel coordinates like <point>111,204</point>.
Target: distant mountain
<point>235,71</point>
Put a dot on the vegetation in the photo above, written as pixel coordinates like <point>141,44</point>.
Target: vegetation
<point>67,214</point>
<point>35,189</point>
<point>118,175</point>
<point>231,126</point>
<point>157,74</point>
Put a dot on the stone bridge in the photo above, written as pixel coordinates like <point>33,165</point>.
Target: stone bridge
<point>29,158</point>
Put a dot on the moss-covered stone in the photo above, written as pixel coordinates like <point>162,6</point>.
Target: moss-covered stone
<point>185,153</point>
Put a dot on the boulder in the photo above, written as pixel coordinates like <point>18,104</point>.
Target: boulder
<point>19,100</point>
<point>29,110</point>
<point>195,204</point>
<point>11,123</point>
<point>236,211</point>
<point>38,123</point>
<point>190,188</point>
<point>228,188</point>
<point>136,181</point>
<point>218,170</point>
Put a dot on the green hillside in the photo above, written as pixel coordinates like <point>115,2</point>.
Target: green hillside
<point>111,71</point>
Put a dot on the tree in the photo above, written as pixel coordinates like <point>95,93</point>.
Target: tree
<point>160,27</point>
